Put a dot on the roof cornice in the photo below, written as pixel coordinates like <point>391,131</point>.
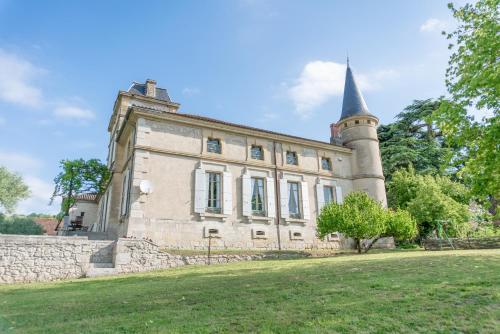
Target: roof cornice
<point>136,112</point>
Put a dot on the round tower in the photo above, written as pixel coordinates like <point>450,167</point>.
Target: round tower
<point>358,131</point>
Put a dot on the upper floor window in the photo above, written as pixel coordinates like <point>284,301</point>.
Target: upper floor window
<point>294,199</point>
<point>213,145</point>
<point>326,164</point>
<point>257,152</point>
<point>257,196</point>
<point>328,194</point>
<point>213,192</point>
<point>291,158</point>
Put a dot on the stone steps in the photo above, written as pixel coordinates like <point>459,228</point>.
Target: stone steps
<point>101,269</point>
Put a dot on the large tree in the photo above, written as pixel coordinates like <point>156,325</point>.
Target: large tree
<point>413,140</point>
<point>432,200</point>
<point>78,177</point>
<point>12,189</point>
<point>472,119</point>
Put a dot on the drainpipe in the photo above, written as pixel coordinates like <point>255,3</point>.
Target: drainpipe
<point>277,196</point>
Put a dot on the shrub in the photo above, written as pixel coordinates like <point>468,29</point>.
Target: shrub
<point>19,225</point>
<point>361,217</point>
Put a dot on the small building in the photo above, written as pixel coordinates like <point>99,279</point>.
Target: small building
<point>181,179</point>
<point>84,211</point>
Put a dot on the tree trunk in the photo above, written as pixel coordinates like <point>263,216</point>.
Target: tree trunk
<point>358,245</point>
<point>371,244</point>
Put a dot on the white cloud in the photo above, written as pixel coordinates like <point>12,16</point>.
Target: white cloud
<point>321,80</point>
<point>432,25</point>
<point>74,112</point>
<point>41,191</point>
<point>190,91</point>
<point>19,162</point>
<point>17,77</point>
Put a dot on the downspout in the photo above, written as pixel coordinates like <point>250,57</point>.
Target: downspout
<point>277,196</point>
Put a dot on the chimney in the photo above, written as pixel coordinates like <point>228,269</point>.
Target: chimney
<point>335,134</point>
<point>150,88</point>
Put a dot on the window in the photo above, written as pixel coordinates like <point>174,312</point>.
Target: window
<point>326,164</point>
<point>294,199</point>
<point>291,158</point>
<point>213,192</point>
<point>213,145</point>
<point>257,196</point>
<point>125,194</point>
<point>256,152</point>
<point>328,194</point>
<point>345,125</point>
<point>369,122</point>
<point>356,122</point>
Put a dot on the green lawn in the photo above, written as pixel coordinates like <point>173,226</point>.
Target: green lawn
<point>402,292</point>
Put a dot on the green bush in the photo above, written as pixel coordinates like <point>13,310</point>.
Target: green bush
<point>361,217</point>
<point>19,225</point>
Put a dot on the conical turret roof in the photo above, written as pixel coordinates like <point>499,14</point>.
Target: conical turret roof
<point>353,103</point>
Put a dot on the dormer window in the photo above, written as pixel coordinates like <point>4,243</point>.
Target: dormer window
<point>213,145</point>
<point>326,164</point>
<point>256,152</point>
<point>291,158</point>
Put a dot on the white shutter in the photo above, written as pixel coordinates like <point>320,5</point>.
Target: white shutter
<point>284,198</point>
<point>320,197</point>
<point>305,201</point>
<point>227,193</point>
<point>338,194</point>
<point>270,196</point>
<point>246,188</point>
<point>199,190</point>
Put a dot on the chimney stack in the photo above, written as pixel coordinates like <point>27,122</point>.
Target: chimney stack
<point>150,88</point>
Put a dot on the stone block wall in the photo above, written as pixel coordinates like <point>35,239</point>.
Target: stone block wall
<point>48,258</point>
<point>132,255</point>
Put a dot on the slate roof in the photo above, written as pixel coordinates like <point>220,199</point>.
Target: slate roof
<point>353,103</point>
<point>140,89</point>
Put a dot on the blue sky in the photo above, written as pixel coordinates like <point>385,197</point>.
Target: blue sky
<point>277,65</point>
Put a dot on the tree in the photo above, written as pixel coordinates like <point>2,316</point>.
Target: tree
<point>413,140</point>
<point>431,200</point>
<point>472,79</point>
<point>19,225</point>
<point>12,189</point>
<point>78,177</point>
<point>361,217</point>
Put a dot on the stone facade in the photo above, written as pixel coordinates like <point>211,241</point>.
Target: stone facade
<point>152,143</point>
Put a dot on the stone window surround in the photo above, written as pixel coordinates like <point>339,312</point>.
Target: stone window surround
<point>265,174</point>
<point>290,177</point>
<point>217,168</point>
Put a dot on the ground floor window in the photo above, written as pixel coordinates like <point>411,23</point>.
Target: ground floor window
<point>213,192</point>
<point>328,194</point>
<point>294,199</point>
<point>257,195</point>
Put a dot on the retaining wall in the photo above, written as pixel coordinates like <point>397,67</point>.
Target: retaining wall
<point>47,258</point>
<point>462,243</point>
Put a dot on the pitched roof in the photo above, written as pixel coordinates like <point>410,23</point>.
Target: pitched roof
<point>140,89</point>
<point>91,197</point>
<point>353,103</point>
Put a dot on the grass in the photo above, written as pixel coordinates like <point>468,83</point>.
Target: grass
<point>391,292</point>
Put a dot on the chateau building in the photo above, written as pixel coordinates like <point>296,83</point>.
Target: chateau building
<point>179,178</point>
